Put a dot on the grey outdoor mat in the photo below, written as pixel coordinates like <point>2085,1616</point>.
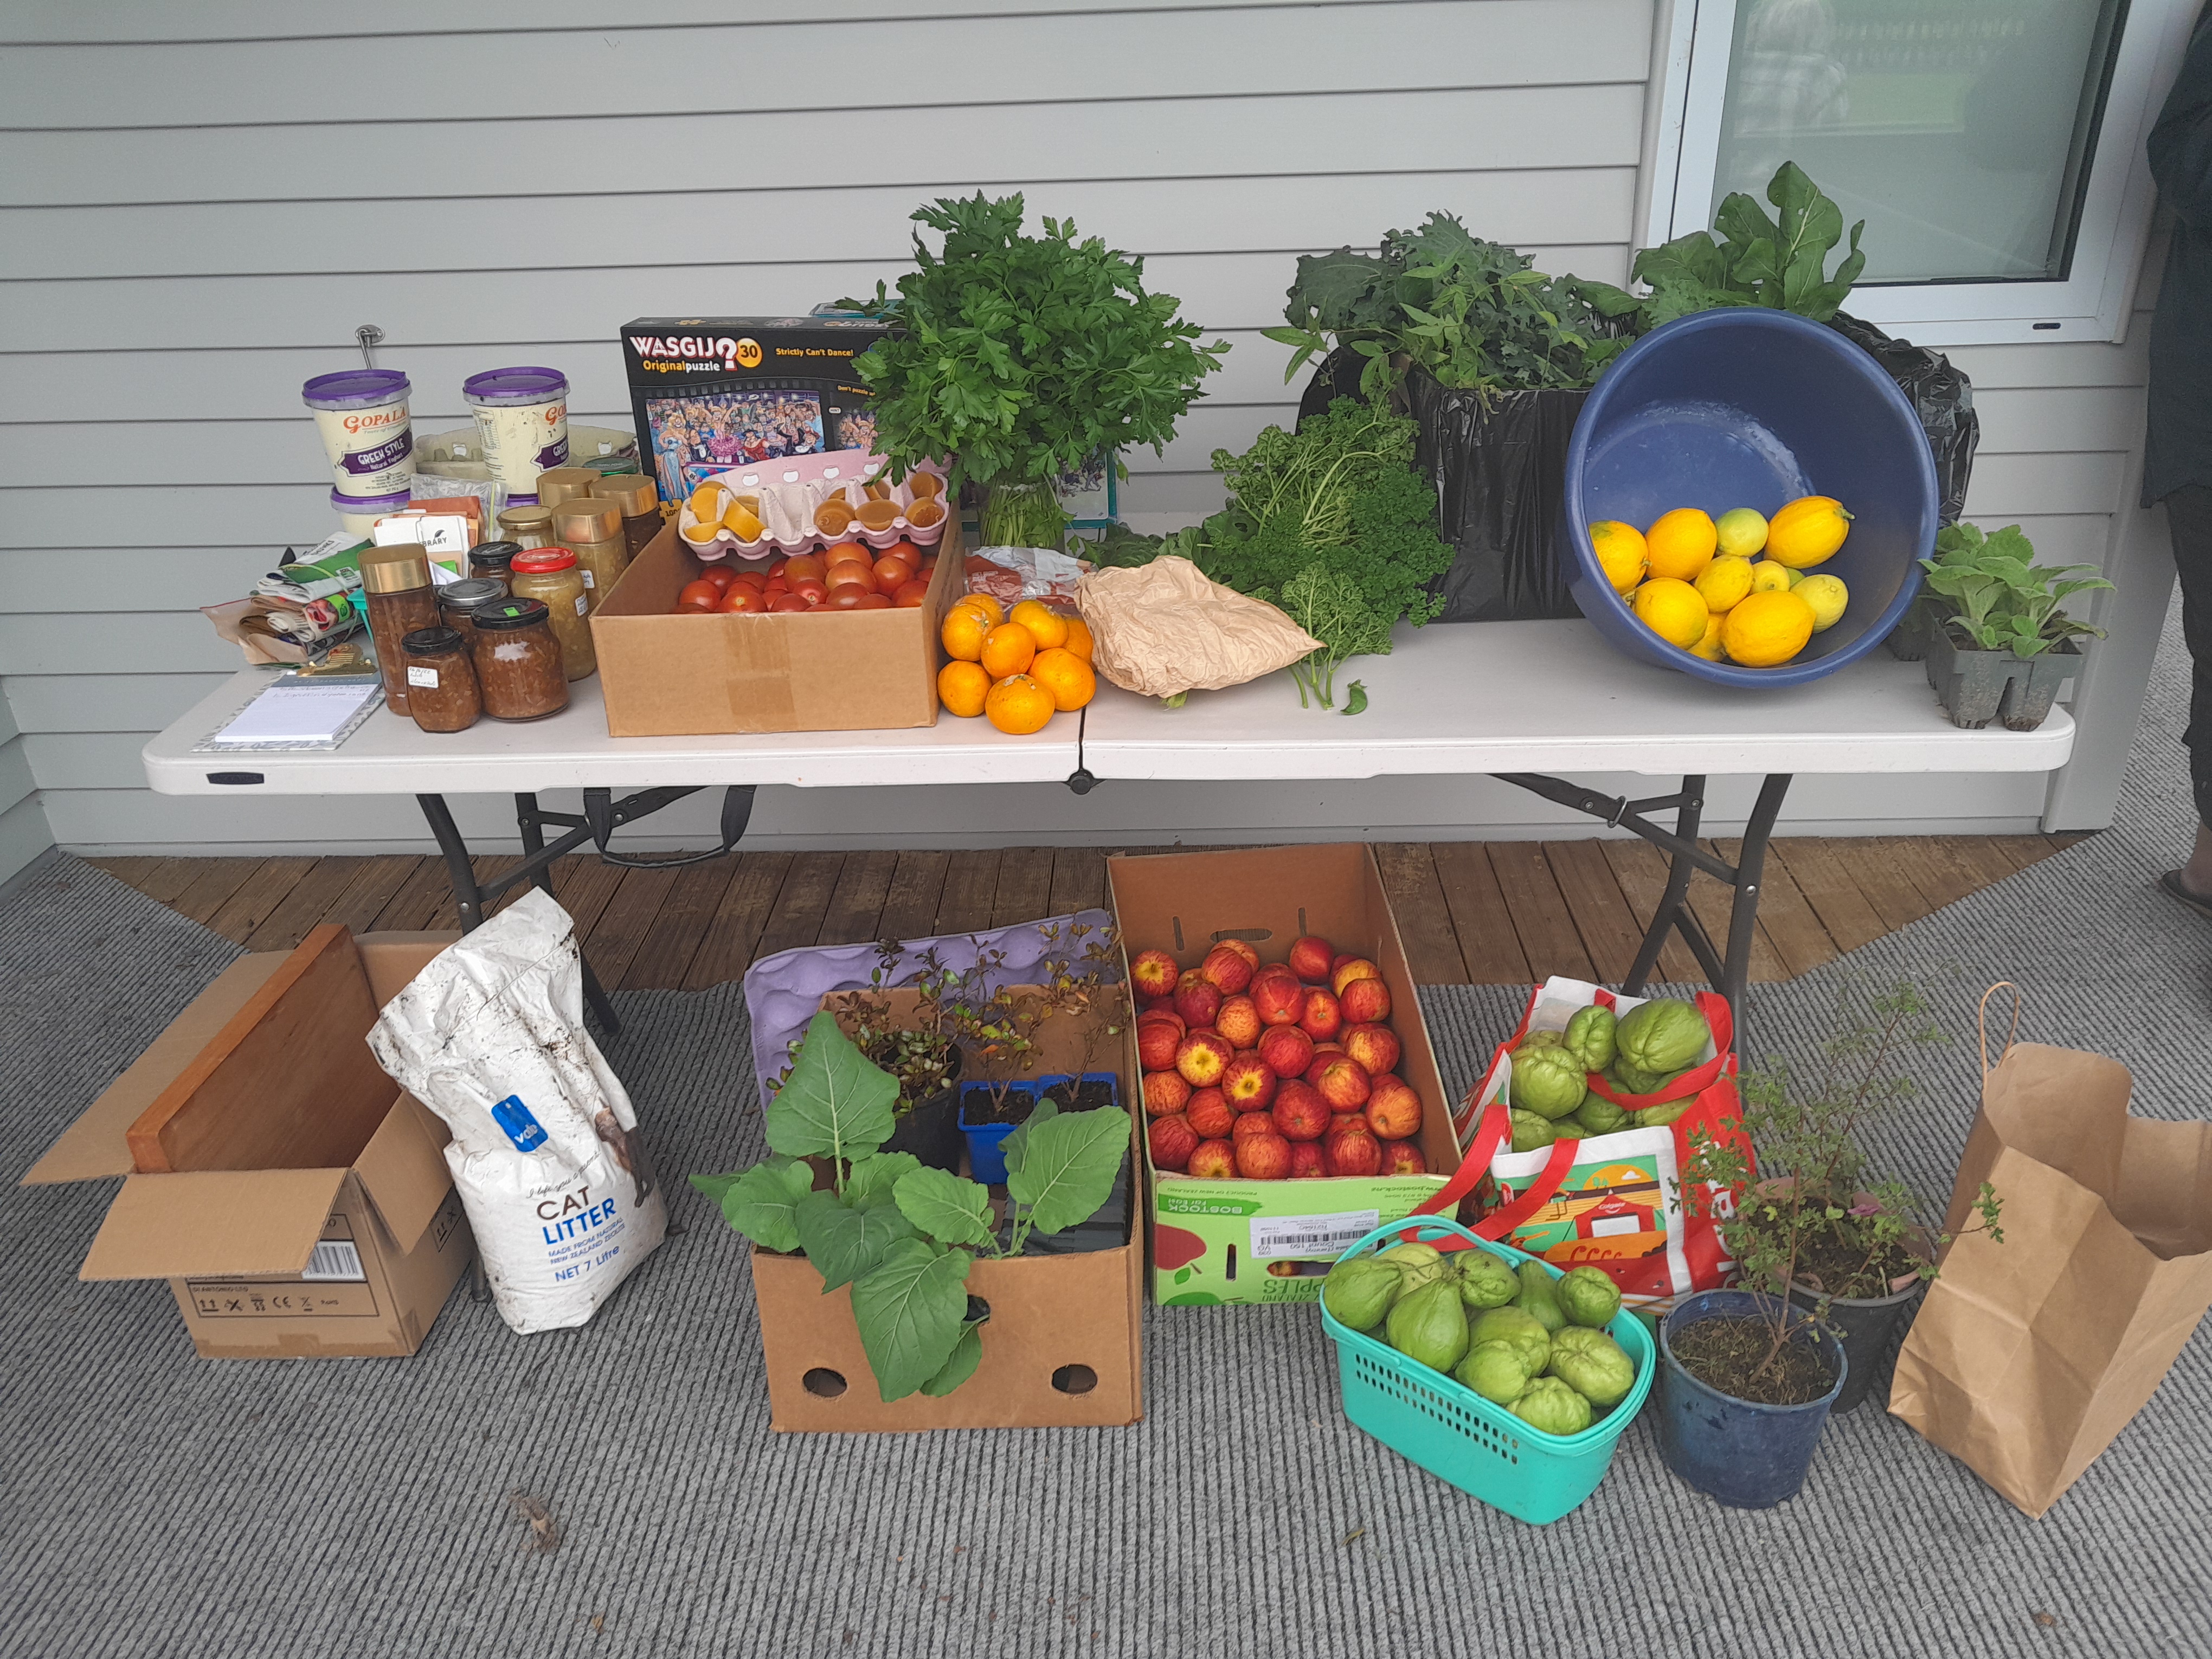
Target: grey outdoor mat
<point>155,1503</point>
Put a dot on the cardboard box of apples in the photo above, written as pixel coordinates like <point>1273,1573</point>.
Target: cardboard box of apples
<point>1291,1099</point>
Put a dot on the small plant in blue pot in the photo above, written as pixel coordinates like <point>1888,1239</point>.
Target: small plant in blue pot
<point>1830,1256</point>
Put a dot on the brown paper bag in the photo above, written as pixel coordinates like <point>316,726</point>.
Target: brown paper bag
<point>2031,1355</point>
<point>1163,628</point>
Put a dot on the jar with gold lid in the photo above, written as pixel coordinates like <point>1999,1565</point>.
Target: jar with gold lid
<point>529,525</point>
<point>638,498</point>
<point>519,662</point>
<point>565,483</point>
<point>397,594</point>
<point>550,574</point>
<point>592,530</point>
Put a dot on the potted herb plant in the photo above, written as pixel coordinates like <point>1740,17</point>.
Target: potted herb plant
<point>1830,1262</point>
<point>901,1234</point>
<point>1023,358</point>
<point>1999,647</point>
<point>915,1044</point>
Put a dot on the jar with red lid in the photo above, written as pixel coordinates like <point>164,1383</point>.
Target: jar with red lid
<point>549,575</point>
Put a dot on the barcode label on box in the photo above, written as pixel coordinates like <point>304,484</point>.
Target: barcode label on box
<point>1311,1235</point>
<point>336,1258</point>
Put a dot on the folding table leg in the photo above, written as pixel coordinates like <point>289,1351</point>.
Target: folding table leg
<point>532,827</point>
<point>1674,904</point>
<point>1743,913</point>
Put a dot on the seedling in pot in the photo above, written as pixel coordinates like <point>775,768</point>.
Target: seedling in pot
<point>1993,596</point>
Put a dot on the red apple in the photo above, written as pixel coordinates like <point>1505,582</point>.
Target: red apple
<point>1277,996</point>
<point>1375,1047</point>
<point>1154,974</point>
<point>1324,1053</point>
<point>1156,1004</point>
<point>1347,1153</point>
<point>1263,1158</point>
<point>1249,1081</point>
<point>1309,959</point>
<point>1341,958</point>
<point>1226,968</point>
<point>1197,1000</point>
<point>1243,948</point>
<point>1343,1085</point>
<point>1250,1124</point>
<point>1211,1114</point>
<point>1157,1040</point>
<point>1166,1093</point>
<point>1366,1001</point>
<point>1203,1056</point>
<point>1306,1161</point>
<point>1349,1120</point>
<point>1348,969</point>
<point>1321,1018</point>
<point>1287,1048</point>
<point>1402,1157</point>
<point>1394,1110</point>
<point>1239,1021</point>
<point>1300,1113</point>
<point>1171,1140</point>
<point>1215,1160</point>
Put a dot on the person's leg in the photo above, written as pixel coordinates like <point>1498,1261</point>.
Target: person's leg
<point>2189,514</point>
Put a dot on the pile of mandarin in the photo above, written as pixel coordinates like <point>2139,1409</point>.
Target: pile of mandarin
<point>849,576</point>
<point>1016,671</point>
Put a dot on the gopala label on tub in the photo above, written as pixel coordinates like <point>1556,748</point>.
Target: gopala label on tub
<point>362,415</point>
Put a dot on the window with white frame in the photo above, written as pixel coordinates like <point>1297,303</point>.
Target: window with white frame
<point>1993,147</point>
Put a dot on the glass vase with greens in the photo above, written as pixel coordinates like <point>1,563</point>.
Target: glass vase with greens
<point>1019,358</point>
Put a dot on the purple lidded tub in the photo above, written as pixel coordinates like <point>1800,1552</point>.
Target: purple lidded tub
<point>361,414</point>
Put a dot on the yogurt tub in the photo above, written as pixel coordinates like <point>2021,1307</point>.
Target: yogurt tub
<point>361,414</point>
<point>522,421</point>
<point>359,513</point>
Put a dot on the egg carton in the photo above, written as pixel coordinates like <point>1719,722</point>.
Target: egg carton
<point>816,501</point>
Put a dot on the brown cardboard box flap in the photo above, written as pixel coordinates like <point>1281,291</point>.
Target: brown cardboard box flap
<point>393,960</point>
<point>403,1170</point>
<point>93,1145</point>
<point>213,1224</point>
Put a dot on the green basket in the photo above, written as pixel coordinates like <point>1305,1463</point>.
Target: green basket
<point>1455,1434</point>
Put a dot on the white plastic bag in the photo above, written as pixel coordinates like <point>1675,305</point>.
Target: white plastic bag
<point>545,1152</point>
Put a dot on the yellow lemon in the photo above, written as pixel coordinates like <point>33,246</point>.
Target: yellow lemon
<point>1806,532</point>
<point>1741,532</point>
<point>1672,610</point>
<point>962,688</point>
<point>1766,629</point>
<point>1620,548</point>
<point>1724,581</point>
<point>1709,646</point>
<point>1768,577</point>
<point>1827,596</point>
<point>1680,545</point>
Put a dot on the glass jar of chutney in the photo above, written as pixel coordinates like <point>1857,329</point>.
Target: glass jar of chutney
<point>519,671</point>
<point>442,679</point>
<point>396,595</point>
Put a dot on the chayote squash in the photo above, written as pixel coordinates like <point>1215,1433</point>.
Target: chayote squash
<point>1587,1297</point>
<point>1497,1371</point>
<point>1662,1035</point>
<point>1538,1297</point>
<point>1485,1281</point>
<point>1523,1332</point>
<point>1600,1115</point>
<point>1532,1130</point>
<point>1590,1035</point>
<point>1593,1365</point>
<point>1416,1265</point>
<point>1568,1128</point>
<point>1547,1081</point>
<point>1429,1326</point>
<point>1551,1406</point>
<point>1658,1117</point>
<point>1536,1040</point>
<point>1358,1291</point>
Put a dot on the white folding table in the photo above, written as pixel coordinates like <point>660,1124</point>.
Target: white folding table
<point>1518,700</point>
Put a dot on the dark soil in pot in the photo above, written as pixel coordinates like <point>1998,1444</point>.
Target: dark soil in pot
<point>1738,1357</point>
<point>1087,1096</point>
<point>930,1129</point>
<point>984,1105</point>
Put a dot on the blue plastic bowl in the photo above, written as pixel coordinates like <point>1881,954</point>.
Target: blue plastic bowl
<point>1749,407</point>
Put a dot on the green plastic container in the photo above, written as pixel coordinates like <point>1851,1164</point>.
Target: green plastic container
<point>1455,1434</point>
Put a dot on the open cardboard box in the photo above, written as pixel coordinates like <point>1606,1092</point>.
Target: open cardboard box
<point>665,676</point>
<point>1063,1348</point>
<point>1217,1242</point>
<point>296,1199</point>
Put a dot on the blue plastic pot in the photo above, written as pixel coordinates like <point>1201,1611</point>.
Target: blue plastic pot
<point>987,1159</point>
<point>1749,407</point>
<point>1746,1456</point>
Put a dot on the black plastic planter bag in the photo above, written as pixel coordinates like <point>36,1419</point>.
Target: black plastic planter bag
<point>1939,394</point>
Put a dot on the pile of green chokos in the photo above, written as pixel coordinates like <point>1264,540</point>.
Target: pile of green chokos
<point>1640,1052</point>
<point>1528,1340</point>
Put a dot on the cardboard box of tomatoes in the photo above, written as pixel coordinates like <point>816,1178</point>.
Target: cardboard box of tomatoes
<point>666,671</point>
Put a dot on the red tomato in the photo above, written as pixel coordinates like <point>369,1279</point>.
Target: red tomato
<point>791,569</point>
<point>812,589</point>
<point>893,573</point>
<point>910,595</point>
<point>720,575</point>
<point>700,593</point>
<point>906,551</point>
<point>753,579</point>
<point>872,602</point>
<point>846,595</point>
<point>776,567</point>
<point>694,610</point>
<point>789,602</point>
<point>742,598</point>
<point>861,576</point>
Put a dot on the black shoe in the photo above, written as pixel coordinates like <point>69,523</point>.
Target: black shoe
<point>2202,903</point>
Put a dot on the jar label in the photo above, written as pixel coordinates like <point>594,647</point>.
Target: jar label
<point>425,677</point>
<point>583,606</point>
<point>588,582</point>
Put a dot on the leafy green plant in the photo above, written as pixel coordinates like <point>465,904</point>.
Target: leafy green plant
<point>1811,1215</point>
<point>1472,314</point>
<point>1332,520</point>
<point>1779,262</point>
<point>1020,357</point>
<point>903,1236</point>
<point>1999,598</point>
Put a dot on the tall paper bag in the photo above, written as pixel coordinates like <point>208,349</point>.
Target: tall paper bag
<point>2030,1356</point>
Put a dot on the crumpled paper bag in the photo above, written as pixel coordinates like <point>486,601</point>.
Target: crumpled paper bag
<point>1163,628</point>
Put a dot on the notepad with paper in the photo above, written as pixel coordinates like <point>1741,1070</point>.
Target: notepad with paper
<point>292,713</point>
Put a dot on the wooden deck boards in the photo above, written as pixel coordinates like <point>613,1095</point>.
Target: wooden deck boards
<point>1499,913</point>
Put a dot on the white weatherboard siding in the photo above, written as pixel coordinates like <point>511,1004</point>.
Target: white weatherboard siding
<point>198,205</point>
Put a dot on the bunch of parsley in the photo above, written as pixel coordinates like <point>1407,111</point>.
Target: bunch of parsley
<point>1021,357</point>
